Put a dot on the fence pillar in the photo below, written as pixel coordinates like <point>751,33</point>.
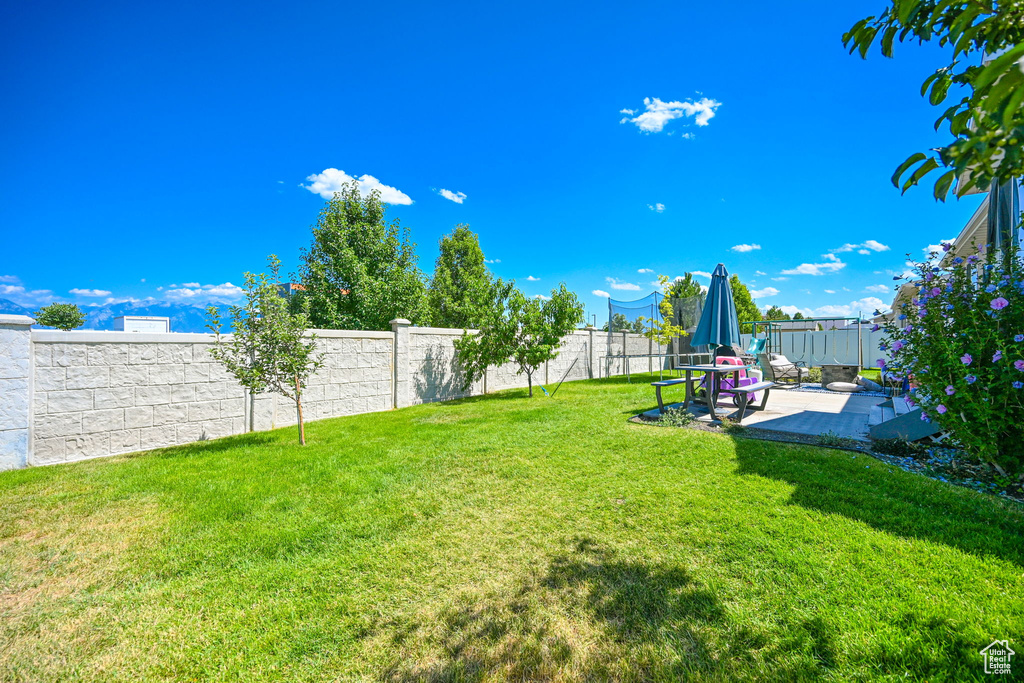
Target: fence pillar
<point>401,378</point>
<point>591,356</point>
<point>15,391</point>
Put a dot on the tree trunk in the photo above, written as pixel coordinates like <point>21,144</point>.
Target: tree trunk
<point>298,408</point>
<point>529,381</point>
<point>252,411</point>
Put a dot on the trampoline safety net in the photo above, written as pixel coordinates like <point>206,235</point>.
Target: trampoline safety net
<point>635,317</point>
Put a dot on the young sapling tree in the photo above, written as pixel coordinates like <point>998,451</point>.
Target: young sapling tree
<point>269,349</point>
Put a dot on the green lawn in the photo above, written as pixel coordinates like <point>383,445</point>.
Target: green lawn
<point>502,538</point>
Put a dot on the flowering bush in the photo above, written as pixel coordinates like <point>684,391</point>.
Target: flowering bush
<point>960,341</point>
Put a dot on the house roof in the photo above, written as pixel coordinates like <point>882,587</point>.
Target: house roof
<point>974,233</point>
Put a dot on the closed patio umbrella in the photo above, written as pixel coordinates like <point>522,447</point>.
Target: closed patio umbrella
<point>1003,216</point>
<point>718,324</point>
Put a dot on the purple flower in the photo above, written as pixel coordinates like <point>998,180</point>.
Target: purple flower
<point>966,359</point>
<point>958,260</point>
<point>997,356</point>
<point>876,328</point>
<point>880,362</point>
<point>1019,364</point>
<point>941,409</point>
<point>990,288</point>
<point>971,379</point>
<point>946,246</point>
<point>909,401</point>
<point>1018,338</point>
<point>924,417</point>
<point>1018,385</point>
<point>936,291</point>
<point>999,303</point>
<point>950,390</point>
<point>897,345</point>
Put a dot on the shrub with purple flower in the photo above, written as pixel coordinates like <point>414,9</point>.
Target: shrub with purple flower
<point>961,346</point>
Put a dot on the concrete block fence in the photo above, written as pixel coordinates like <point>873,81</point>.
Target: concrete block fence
<point>67,396</point>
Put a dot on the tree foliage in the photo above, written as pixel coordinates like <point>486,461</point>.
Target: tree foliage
<point>960,341</point>
<point>519,330</point>
<point>458,292</point>
<point>62,316</point>
<point>683,287</point>
<point>665,330</point>
<point>984,100</point>
<point>269,349</point>
<point>360,272</point>
<point>620,323</point>
<point>746,309</point>
<point>776,313</point>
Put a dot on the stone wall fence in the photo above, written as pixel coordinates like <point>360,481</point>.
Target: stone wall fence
<point>67,396</point>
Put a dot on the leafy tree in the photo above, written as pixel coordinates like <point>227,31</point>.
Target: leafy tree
<point>62,316</point>
<point>269,349</point>
<point>684,287</point>
<point>798,316</point>
<point>519,330</point>
<point>458,292</point>
<point>360,273</point>
<point>665,330</point>
<point>986,118</point>
<point>776,313</point>
<point>746,309</point>
<point>620,323</point>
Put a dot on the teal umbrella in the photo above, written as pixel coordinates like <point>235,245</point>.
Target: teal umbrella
<point>1003,216</point>
<point>719,325</point>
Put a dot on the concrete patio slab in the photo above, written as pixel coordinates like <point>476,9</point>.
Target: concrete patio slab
<point>801,412</point>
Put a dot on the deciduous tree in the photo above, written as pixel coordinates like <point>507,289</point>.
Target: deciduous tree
<point>984,77</point>
<point>519,330</point>
<point>458,292</point>
<point>746,309</point>
<point>269,349</point>
<point>62,316</point>
<point>360,272</point>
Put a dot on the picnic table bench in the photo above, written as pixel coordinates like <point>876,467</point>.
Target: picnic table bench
<point>742,393</point>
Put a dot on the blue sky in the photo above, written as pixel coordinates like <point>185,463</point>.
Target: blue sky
<point>158,151</point>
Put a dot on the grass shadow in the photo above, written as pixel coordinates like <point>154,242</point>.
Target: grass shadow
<point>837,482</point>
<point>589,615</point>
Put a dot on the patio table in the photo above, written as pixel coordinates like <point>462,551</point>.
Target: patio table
<point>716,372</point>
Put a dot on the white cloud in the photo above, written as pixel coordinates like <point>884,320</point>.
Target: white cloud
<point>331,180</point>
<point>89,292</point>
<point>780,279</point>
<point>496,260</point>
<point>221,292</point>
<point>542,297</point>
<point>657,113</point>
<point>457,197</point>
<point>190,284</point>
<point>10,279</point>
<point>627,286</point>
<point>700,273</point>
<point>645,270</point>
<point>761,293</point>
<point>743,248</point>
<point>865,306</point>
<point>601,293</point>
<point>865,247</point>
<point>530,278</point>
<point>831,265</point>
<point>760,272</point>
<point>657,208</point>
<point>24,297</point>
<point>830,291</point>
<point>881,289</point>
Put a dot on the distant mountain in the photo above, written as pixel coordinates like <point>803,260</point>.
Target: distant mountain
<point>10,308</point>
<point>184,317</point>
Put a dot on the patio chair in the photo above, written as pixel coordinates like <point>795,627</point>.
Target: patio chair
<point>777,368</point>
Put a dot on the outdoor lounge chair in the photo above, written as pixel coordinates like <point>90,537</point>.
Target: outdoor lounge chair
<point>777,368</point>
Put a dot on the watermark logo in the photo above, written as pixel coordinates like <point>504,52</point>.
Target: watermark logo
<point>997,657</point>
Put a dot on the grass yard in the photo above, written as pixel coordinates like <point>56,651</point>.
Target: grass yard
<point>502,538</point>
